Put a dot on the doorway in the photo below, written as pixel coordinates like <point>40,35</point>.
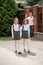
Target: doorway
<point>21,15</point>
<point>39,12</point>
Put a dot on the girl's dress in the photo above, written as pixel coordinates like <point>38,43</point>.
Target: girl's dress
<point>25,31</point>
<point>25,36</point>
<point>16,34</point>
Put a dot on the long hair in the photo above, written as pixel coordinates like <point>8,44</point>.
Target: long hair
<point>15,19</point>
<point>24,21</point>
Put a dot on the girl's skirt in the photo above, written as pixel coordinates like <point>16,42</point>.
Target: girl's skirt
<point>16,35</point>
<point>25,34</point>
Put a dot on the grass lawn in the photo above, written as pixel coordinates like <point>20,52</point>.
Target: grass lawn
<point>5,38</point>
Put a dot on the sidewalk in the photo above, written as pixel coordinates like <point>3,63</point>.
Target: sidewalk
<point>8,57</point>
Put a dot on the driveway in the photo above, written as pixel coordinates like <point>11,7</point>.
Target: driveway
<point>8,57</point>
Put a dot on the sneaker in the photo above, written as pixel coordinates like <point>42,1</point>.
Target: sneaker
<point>28,51</point>
<point>24,50</point>
<point>16,51</point>
<point>19,52</point>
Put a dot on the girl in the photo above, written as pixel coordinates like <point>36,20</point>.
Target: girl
<point>16,34</point>
<point>25,34</point>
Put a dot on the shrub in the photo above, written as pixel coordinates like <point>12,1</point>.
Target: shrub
<point>8,9</point>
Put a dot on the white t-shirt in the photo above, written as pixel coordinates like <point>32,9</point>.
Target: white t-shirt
<point>16,28</point>
<point>30,19</point>
<point>26,27</point>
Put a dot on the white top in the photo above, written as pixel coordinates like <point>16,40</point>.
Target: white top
<point>26,28</point>
<point>30,19</point>
<point>16,27</point>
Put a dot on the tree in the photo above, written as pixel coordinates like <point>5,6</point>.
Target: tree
<point>31,2</point>
<point>40,2</point>
<point>8,9</point>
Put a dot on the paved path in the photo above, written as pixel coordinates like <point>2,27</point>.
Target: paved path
<point>8,57</point>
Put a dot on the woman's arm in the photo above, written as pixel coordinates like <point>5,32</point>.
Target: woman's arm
<point>27,18</point>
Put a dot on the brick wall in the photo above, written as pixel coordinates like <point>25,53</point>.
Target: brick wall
<point>35,14</point>
<point>35,19</point>
<point>42,18</point>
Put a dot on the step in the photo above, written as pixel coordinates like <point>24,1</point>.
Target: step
<point>38,36</point>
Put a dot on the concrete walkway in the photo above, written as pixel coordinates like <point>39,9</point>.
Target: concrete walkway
<point>8,57</point>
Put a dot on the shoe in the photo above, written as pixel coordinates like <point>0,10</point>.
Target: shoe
<point>24,50</point>
<point>30,38</point>
<point>16,51</point>
<point>28,51</point>
<point>19,52</point>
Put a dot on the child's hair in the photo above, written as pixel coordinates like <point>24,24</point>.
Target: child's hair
<point>15,18</point>
<point>24,21</point>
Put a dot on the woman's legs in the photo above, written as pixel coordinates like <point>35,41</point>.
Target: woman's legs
<point>31,31</point>
<point>18,47</point>
<point>26,45</point>
<point>15,46</point>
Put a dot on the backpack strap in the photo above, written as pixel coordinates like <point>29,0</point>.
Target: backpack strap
<point>13,27</point>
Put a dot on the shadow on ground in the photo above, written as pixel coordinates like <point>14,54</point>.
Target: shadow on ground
<point>26,54</point>
<point>37,39</point>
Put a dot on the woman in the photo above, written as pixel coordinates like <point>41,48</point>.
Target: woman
<point>31,24</point>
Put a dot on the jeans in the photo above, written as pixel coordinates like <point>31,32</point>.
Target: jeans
<point>31,31</point>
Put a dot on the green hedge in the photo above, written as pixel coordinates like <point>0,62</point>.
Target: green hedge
<point>8,9</point>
